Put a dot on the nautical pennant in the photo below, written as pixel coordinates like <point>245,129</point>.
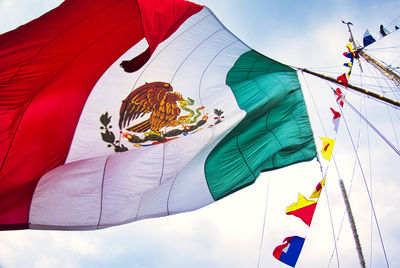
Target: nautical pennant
<point>383,31</point>
<point>343,80</point>
<point>349,23</point>
<point>318,189</point>
<point>350,48</point>
<point>289,251</point>
<point>349,55</point>
<point>335,119</point>
<point>327,147</point>
<point>303,208</point>
<point>348,64</point>
<point>339,96</point>
<point>368,39</point>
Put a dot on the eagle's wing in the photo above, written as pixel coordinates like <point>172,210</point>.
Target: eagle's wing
<point>142,100</point>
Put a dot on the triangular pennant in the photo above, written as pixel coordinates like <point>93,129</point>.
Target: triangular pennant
<point>368,39</point>
<point>335,119</point>
<point>318,189</point>
<point>383,31</point>
<point>339,96</point>
<point>343,80</point>
<point>303,208</point>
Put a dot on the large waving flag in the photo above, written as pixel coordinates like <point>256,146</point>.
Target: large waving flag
<point>114,111</point>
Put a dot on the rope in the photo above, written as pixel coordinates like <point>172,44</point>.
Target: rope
<point>333,230</point>
<point>363,101</point>
<point>344,213</point>
<point>370,164</point>
<point>372,126</point>
<point>351,219</point>
<point>265,217</point>
<point>347,204</point>
<point>387,107</point>
<point>370,183</point>
<point>326,193</point>
<point>358,160</point>
<point>351,184</point>
<point>363,176</point>
<point>393,21</point>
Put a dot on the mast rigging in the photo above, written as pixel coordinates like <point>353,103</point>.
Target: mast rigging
<point>358,89</point>
<point>385,71</point>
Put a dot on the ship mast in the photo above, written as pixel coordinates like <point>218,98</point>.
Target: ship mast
<point>395,78</point>
<point>385,71</point>
<point>373,95</point>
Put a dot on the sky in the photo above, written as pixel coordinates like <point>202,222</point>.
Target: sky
<point>229,232</point>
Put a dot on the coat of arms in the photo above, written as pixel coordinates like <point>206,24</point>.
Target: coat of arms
<point>153,113</point>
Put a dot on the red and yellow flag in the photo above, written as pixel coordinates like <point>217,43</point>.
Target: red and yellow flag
<point>303,208</point>
<point>327,147</point>
<point>318,189</point>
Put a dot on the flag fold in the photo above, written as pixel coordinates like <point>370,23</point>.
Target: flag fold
<point>126,110</point>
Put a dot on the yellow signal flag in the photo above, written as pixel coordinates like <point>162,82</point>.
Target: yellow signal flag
<point>318,189</point>
<point>327,147</point>
<point>302,202</point>
<point>350,48</point>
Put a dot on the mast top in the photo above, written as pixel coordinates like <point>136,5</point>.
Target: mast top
<point>383,69</point>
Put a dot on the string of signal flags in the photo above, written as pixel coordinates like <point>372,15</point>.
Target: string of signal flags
<point>289,251</point>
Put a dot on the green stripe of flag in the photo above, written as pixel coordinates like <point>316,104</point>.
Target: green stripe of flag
<point>275,132</point>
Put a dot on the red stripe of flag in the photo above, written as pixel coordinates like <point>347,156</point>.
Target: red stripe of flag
<point>48,68</point>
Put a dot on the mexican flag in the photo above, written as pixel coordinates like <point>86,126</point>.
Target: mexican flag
<point>114,111</point>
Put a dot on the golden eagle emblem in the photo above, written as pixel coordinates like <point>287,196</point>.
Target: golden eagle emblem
<point>156,98</point>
